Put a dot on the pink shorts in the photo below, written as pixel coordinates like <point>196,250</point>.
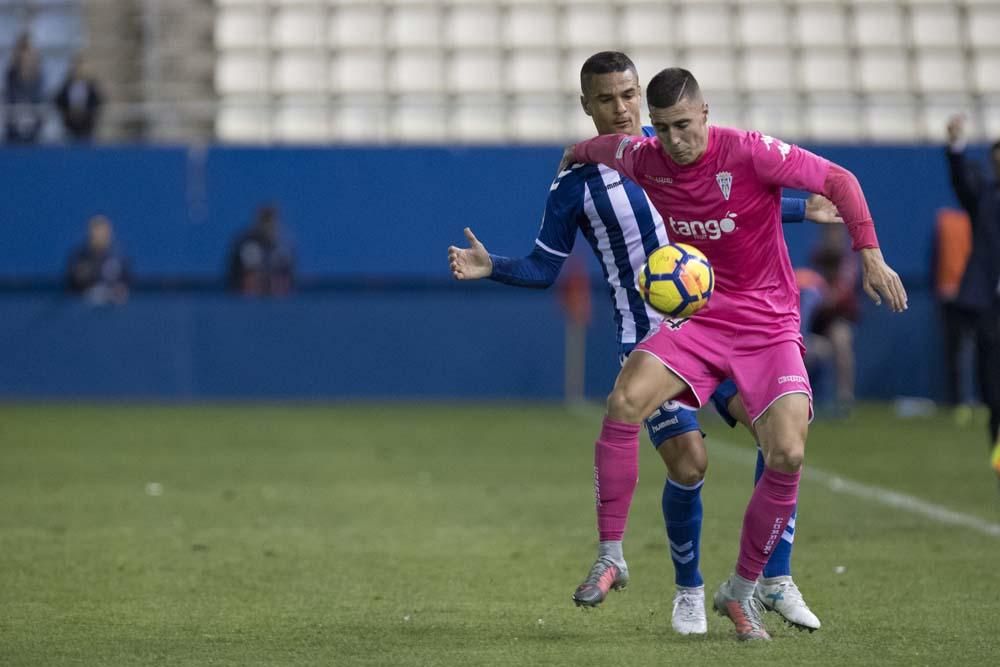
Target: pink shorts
<point>764,365</point>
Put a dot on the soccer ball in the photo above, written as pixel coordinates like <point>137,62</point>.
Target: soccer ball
<point>676,280</point>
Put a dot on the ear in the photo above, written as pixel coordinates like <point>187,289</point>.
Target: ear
<point>586,107</point>
<point>704,111</point>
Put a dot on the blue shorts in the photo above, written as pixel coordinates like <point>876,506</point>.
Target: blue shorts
<point>671,419</point>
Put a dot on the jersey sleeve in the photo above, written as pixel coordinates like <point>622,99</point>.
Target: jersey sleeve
<point>793,209</point>
<point>563,208</point>
<point>555,237</point>
<point>781,164</point>
<point>621,152</point>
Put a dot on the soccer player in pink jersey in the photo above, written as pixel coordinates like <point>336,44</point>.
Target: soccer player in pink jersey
<point>719,189</point>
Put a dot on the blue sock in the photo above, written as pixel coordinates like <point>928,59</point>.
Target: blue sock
<point>682,514</point>
<point>780,562</point>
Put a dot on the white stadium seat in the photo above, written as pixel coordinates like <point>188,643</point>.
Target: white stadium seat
<point>591,25</point>
<point>359,119</point>
<point>358,71</point>
<point>298,27</point>
<point>420,71</point>
<point>934,25</point>
<point>473,26</point>
<point>764,25</point>
<point>833,118</point>
<point>530,25</point>
<point>475,71</point>
<point>983,26</point>
<point>242,28</point>
<point>647,25</point>
<point>300,72</point>
<point>940,71</point>
<point>892,118</point>
<point>479,120</point>
<point>418,25</point>
<point>533,71</point>
<point>820,25</point>
<point>357,25</point>
<point>242,73</point>
<point>879,25</point>
<point>826,70</point>
<point>986,72</point>
<point>533,122</point>
<point>302,120</point>
<point>882,70</point>
<point>420,119</point>
<point>246,122</point>
<point>775,114</point>
<point>715,69</point>
<point>704,24</point>
<point>767,70</point>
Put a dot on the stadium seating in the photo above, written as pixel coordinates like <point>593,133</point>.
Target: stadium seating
<point>504,70</point>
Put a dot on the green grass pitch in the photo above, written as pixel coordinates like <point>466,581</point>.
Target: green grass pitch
<point>430,534</point>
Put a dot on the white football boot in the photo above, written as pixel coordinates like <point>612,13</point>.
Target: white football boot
<point>781,595</point>
<point>689,611</point>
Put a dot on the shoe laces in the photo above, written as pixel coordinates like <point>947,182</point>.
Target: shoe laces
<point>687,602</point>
<point>754,612</point>
<point>600,567</point>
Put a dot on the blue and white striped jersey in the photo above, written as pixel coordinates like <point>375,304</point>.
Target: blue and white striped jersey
<point>622,228</point>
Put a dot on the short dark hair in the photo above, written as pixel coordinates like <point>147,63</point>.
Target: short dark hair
<point>671,86</point>
<point>995,146</point>
<point>605,62</point>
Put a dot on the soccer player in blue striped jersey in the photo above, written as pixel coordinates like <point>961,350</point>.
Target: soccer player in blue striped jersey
<point>622,227</point>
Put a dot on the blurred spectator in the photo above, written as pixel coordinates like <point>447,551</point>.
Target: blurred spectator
<point>834,310</point>
<point>24,94</point>
<point>79,102</point>
<point>979,194</point>
<point>952,246</point>
<point>261,262</point>
<point>97,270</point>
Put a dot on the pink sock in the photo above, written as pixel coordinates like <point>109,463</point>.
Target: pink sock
<point>616,471</point>
<point>770,507</point>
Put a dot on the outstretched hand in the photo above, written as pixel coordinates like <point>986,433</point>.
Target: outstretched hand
<point>820,209</point>
<point>470,263</point>
<point>880,281</point>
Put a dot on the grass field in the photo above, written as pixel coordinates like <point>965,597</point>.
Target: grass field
<point>454,535</point>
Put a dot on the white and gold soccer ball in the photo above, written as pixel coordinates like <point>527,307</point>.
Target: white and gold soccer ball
<point>676,280</point>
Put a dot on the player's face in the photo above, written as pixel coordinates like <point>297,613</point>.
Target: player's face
<point>682,129</point>
<point>613,101</point>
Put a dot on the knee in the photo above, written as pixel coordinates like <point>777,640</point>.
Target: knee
<point>687,471</point>
<point>685,458</point>
<point>788,456</point>
<point>625,405</point>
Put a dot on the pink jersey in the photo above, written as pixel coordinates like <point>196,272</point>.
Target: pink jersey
<point>728,205</point>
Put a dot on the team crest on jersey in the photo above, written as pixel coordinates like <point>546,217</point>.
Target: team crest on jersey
<point>725,181</point>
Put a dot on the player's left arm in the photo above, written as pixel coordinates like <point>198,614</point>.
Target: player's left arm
<point>785,165</point>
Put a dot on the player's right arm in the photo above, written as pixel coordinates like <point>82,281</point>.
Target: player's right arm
<point>554,244</point>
